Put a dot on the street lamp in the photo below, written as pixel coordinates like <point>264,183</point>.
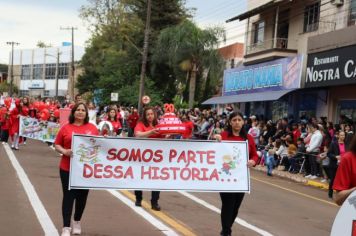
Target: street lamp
<point>12,65</point>
<point>57,70</point>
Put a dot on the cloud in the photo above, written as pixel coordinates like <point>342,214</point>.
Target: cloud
<point>29,24</point>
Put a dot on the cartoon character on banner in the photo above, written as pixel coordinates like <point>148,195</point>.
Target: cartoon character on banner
<point>105,128</point>
<point>89,153</point>
<point>230,162</point>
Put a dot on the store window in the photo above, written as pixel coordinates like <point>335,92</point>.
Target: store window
<point>307,105</point>
<point>26,72</point>
<point>346,108</point>
<point>279,110</point>
<point>311,17</point>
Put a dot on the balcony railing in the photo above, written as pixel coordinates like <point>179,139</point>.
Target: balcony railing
<point>282,43</point>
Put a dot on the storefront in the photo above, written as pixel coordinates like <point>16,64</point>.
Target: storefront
<point>267,89</point>
<point>335,71</point>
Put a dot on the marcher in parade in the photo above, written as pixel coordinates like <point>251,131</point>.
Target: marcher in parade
<point>231,202</point>
<point>78,124</point>
<point>345,180</point>
<point>112,117</point>
<point>145,128</point>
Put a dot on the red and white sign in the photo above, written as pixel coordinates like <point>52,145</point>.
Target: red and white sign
<point>146,100</point>
<point>158,164</point>
<point>345,220</point>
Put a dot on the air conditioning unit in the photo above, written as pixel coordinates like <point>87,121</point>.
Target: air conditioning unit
<point>337,2</point>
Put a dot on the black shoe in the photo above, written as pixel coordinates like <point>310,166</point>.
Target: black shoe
<point>155,207</point>
<point>138,203</point>
<point>269,174</point>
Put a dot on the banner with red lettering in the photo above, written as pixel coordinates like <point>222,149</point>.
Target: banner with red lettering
<point>159,164</point>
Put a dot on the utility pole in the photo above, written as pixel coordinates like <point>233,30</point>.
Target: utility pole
<point>12,65</point>
<point>57,70</point>
<point>71,80</point>
<point>144,56</point>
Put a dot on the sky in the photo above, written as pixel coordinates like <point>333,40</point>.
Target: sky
<point>30,21</point>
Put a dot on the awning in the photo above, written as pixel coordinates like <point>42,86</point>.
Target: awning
<point>255,11</point>
<point>248,97</point>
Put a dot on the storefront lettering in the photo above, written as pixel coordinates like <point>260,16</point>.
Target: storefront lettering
<point>322,75</point>
<point>350,69</point>
<point>262,77</point>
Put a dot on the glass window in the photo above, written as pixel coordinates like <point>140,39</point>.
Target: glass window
<point>347,108</point>
<point>24,93</point>
<point>311,17</point>
<point>37,71</point>
<point>353,10</point>
<point>50,71</point>
<point>46,93</point>
<point>63,70</point>
<point>259,32</point>
<point>279,109</point>
<point>26,72</point>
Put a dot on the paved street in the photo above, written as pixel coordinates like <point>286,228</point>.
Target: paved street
<point>274,207</point>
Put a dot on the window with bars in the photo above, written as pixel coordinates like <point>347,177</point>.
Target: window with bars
<point>311,17</point>
<point>26,72</point>
<point>37,71</point>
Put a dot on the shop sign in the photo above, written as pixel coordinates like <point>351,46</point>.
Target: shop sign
<point>37,85</point>
<point>333,67</point>
<point>276,75</point>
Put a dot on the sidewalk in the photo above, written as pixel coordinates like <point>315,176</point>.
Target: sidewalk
<point>294,177</point>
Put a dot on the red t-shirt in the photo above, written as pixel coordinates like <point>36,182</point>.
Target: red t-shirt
<point>132,119</point>
<point>189,127</point>
<point>251,144</point>
<point>142,128</point>
<point>64,138</point>
<point>346,172</point>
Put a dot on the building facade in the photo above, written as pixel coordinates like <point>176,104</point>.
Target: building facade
<point>293,30</point>
<point>37,72</point>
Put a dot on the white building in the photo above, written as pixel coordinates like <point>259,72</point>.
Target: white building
<point>35,70</point>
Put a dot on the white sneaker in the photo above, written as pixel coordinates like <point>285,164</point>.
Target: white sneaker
<point>308,176</point>
<point>314,177</point>
<point>77,229</point>
<point>24,142</point>
<point>323,180</point>
<point>66,231</point>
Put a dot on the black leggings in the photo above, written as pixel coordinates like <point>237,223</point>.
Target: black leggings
<point>79,195</point>
<point>154,196</point>
<point>230,204</point>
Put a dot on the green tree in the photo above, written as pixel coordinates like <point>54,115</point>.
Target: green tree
<point>41,44</point>
<point>192,49</point>
<point>5,87</point>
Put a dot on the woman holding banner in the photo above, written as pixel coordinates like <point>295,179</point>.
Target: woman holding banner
<point>78,124</point>
<point>231,202</point>
<point>146,129</point>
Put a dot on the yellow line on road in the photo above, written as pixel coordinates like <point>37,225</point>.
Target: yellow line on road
<point>178,226</point>
<point>293,191</point>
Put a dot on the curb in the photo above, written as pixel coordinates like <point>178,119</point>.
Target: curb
<point>294,177</point>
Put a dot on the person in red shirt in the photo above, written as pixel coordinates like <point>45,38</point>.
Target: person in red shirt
<point>78,124</point>
<point>231,202</point>
<point>132,120</point>
<point>189,127</point>
<point>146,129</point>
<point>115,122</point>
<point>345,180</point>
<point>5,124</point>
<point>296,133</point>
<point>14,128</point>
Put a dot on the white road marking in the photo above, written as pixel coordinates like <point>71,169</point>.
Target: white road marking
<point>156,223</point>
<point>40,211</point>
<point>217,210</point>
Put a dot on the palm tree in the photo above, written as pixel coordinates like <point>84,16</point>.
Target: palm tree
<point>189,47</point>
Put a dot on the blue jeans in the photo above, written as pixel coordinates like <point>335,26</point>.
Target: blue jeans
<point>269,163</point>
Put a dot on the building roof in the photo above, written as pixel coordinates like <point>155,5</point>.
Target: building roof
<point>256,10</point>
<point>235,50</point>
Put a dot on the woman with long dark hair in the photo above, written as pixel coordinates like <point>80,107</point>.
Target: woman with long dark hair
<point>146,128</point>
<point>231,202</point>
<point>115,122</point>
<point>78,124</point>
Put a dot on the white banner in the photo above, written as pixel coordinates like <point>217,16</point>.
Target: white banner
<point>159,164</point>
<point>345,220</point>
<point>40,130</point>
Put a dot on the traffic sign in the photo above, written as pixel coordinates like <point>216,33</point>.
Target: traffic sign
<point>114,97</point>
<point>146,99</point>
